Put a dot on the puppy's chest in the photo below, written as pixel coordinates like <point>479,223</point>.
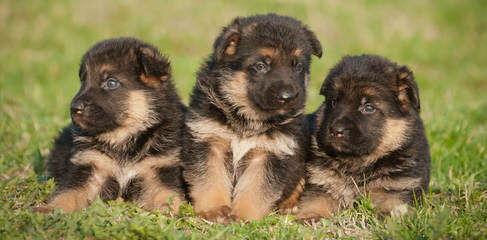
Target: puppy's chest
<point>242,149</point>
<point>240,154</point>
<point>331,181</point>
<point>106,168</point>
<point>335,179</point>
<point>348,186</point>
<point>124,174</point>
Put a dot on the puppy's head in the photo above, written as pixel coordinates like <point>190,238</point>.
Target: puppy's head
<point>369,109</point>
<point>264,61</point>
<point>120,79</point>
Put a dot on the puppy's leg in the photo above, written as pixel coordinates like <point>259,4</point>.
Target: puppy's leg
<point>315,204</point>
<point>73,197</point>
<point>68,201</point>
<point>289,205</point>
<point>392,195</point>
<point>162,183</point>
<point>253,194</point>
<point>392,203</point>
<point>210,182</point>
<point>158,196</point>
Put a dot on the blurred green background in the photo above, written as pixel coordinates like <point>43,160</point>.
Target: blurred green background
<point>443,42</point>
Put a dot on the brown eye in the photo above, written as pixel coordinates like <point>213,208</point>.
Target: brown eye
<point>298,67</point>
<point>332,103</point>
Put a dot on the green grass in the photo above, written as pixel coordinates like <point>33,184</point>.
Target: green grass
<point>444,43</point>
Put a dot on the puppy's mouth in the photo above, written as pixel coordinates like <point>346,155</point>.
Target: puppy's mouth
<point>277,108</point>
<point>85,123</point>
<point>339,146</point>
<point>270,109</point>
<point>80,120</point>
<point>342,147</point>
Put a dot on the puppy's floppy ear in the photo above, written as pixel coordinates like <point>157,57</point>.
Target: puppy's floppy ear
<point>82,70</point>
<point>408,93</point>
<point>315,44</point>
<point>323,88</point>
<point>155,68</point>
<point>227,43</point>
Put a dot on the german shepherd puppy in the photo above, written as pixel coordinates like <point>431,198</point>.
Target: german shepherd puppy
<point>244,151</point>
<point>125,137</point>
<point>367,139</point>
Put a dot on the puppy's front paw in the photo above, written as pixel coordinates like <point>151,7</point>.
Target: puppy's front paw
<point>309,220</point>
<point>219,215</point>
<point>43,209</point>
<point>399,211</point>
<point>288,210</point>
<point>172,208</point>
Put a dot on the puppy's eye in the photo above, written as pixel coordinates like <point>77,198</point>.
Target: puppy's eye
<point>111,83</point>
<point>260,67</point>
<point>367,109</point>
<point>332,103</point>
<point>299,67</point>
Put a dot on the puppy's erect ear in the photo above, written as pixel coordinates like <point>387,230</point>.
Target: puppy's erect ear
<point>155,68</point>
<point>227,43</point>
<point>408,93</point>
<point>315,44</point>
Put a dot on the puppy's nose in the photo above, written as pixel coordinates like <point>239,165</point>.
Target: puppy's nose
<point>77,108</point>
<point>338,130</point>
<point>287,96</point>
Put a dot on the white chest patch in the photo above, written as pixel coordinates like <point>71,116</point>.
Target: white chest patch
<point>105,167</point>
<point>278,144</point>
<point>124,174</point>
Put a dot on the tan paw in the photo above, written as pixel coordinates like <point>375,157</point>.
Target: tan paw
<point>399,211</point>
<point>290,210</point>
<point>309,220</point>
<point>43,209</point>
<point>219,215</point>
<point>171,209</point>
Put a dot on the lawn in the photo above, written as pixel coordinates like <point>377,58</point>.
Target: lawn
<point>444,42</point>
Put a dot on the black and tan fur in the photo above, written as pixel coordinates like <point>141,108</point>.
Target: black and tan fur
<point>125,137</point>
<point>367,139</point>
<point>244,150</point>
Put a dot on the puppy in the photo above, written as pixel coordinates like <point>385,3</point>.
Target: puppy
<point>367,138</point>
<point>244,148</point>
<point>125,137</point>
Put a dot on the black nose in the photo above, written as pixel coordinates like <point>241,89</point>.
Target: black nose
<point>77,108</point>
<point>338,130</point>
<point>287,96</point>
